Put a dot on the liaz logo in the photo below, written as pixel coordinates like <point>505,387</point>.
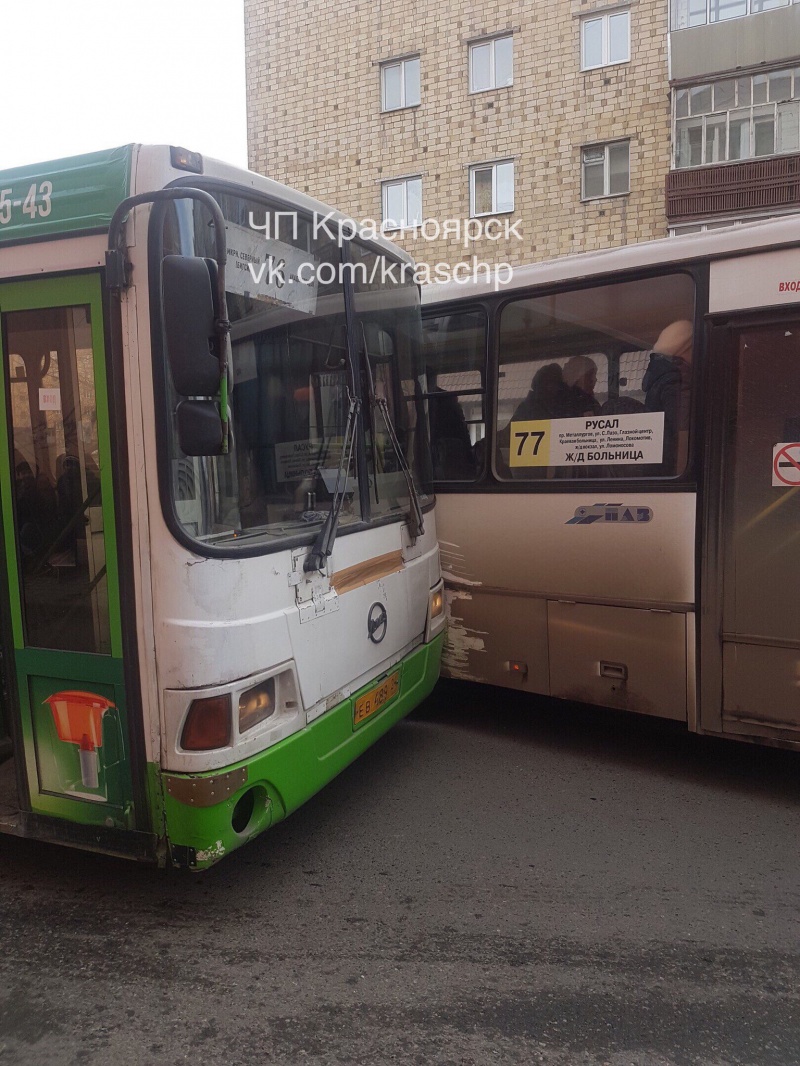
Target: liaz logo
<point>609,512</point>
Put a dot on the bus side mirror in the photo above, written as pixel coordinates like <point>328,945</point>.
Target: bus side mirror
<point>190,316</point>
<point>199,427</point>
<point>188,287</point>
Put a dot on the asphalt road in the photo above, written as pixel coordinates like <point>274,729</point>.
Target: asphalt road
<point>497,881</point>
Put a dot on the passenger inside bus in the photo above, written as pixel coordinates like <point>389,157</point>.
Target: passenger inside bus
<point>543,399</point>
<point>666,385</point>
<point>451,448</point>
<point>580,377</point>
<point>557,393</point>
<point>35,509</point>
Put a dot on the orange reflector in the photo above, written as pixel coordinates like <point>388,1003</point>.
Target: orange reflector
<point>514,666</point>
<point>183,159</point>
<point>208,724</point>
<point>437,604</point>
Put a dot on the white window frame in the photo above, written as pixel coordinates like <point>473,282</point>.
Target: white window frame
<point>483,43</point>
<point>680,17</point>
<point>605,18</point>
<point>739,111</point>
<point>473,170</point>
<point>606,145</point>
<point>404,223</point>
<point>402,64</point>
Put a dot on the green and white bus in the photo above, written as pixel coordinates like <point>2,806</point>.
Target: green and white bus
<point>219,572</point>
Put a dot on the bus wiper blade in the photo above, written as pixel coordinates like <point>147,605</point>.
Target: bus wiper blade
<point>323,545</point>
<point>416,524</point>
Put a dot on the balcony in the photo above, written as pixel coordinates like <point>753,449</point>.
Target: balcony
<point>730,188</point>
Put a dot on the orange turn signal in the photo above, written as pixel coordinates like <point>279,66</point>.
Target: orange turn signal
<point>208,724</point>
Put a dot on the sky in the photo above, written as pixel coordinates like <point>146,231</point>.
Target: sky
<point>82,75</point>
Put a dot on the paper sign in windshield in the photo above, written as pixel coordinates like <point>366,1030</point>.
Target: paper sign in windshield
<point>269,270</point>
<point>299,459</point>
<point>597,440</point>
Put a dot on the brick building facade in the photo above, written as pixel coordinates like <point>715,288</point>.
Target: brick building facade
<point>320,76</point>
<point>565,121</point>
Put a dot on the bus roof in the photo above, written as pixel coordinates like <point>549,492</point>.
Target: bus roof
<point>723,243</point>
<point>79,194</point>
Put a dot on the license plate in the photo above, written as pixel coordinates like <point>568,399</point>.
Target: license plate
<point>372,701</point>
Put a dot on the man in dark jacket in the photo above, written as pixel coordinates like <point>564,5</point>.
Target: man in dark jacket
<point>666,385</point>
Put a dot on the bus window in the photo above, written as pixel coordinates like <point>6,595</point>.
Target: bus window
<point>596,382</point>
<point>454,349</point>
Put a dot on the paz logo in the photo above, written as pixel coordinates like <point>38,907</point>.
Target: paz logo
<point>621,513</point>
<point>377,623</point>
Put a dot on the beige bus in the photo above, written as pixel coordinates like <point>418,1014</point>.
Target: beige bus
<point>616,449</point>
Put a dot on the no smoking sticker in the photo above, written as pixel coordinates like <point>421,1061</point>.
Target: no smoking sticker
<point>786,464</point>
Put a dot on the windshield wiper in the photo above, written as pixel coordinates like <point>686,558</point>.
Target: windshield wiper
<point>416,524</point>
<point>323,545</point>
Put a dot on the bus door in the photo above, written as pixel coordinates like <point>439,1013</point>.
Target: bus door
<point>753,547</point>
<point>64,711</point>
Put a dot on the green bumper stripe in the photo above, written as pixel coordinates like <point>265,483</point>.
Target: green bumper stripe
<point>284,776</point>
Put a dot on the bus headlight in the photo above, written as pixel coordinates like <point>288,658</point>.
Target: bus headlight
<point>256,704</point>
<point>437,603</point>
<point>436,614</point>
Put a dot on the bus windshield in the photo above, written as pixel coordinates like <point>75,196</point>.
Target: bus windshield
<point>294,375</point>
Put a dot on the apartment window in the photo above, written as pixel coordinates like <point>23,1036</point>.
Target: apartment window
<point>605,170</point>
<point>491,64</point>
<point>400,84</point>
<point>491,189</point>
<point>686,13</point>
<point>737,118</point>
<point>402,203</point>
<point>605,39</point>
